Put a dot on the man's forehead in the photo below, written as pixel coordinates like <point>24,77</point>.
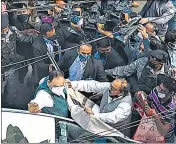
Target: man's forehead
<point>118,82</point>
<point>85,47</point>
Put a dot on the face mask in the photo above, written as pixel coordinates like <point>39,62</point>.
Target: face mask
<point>151,65</point>
<point>84,58</point>
<point>46,19</point>
<point>161,95</point>
<point>23,17</point>
<point>75,19</point>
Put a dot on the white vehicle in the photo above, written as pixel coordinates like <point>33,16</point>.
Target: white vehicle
<point>23,127</point>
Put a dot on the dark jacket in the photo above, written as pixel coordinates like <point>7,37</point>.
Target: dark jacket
<point>94,68</point>
<point>113,60</point>
<point>41,68</point>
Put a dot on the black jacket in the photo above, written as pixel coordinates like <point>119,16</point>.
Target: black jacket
<point>114,59</point>
<point>94,68</point>
<point>41,68</point>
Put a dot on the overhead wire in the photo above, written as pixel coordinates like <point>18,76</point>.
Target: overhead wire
<point>171,110</point>
<point>48,6</point>
<point>85,137</point>
<point>55,53</point>
<point>74,47</point>
<point>120,130</point>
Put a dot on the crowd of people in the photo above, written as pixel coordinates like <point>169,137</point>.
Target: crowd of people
<point>41,56</point>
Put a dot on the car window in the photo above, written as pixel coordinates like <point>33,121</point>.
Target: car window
<point>71,132</point>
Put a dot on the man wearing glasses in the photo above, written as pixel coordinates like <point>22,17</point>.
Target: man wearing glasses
<point>116,103</point>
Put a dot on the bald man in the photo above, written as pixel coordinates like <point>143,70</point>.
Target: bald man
<point>116,104</point>
<point>81,65</point>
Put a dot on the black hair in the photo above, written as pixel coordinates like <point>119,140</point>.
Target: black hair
<point>55,74</point>
<point>167,81</point>
<point>83,42</point>
<point>170,36</point>
<point>158,45</point>
<point>103,43</point>
<point>46,27</point>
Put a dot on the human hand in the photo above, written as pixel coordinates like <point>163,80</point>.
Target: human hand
<point>127,17</point>
<point>140,96</point>
<point>100,28</point>
<point>143,20</point>
<point>57,9</point>
<point>135,4</point>
<point>68,83</point>
<point>50,67</point>
<point>33,108</point>
<point>143,31</point>
<point>88,110</point>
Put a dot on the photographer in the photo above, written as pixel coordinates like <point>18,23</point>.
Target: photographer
<point>133,52</point>
<point>155,9</point>
<point>22,19</point>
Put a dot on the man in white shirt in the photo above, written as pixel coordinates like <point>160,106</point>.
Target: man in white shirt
<point>115,108</point>
<point>50,96</point>
<point>116,105</point>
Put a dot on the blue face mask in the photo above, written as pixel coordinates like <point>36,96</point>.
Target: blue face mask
<point>75,19</point>
<point>84,58</point>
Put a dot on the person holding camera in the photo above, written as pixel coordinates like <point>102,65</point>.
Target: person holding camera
<point>139,48</point>
<point>160,12</point>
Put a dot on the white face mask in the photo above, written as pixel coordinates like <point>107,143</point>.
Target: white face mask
<point>161,95</point>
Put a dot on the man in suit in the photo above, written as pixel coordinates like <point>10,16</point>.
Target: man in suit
<point>81,65</point>
<point>51,41</point>
<point>108,55</point>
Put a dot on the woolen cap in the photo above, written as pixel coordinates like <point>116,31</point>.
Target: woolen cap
<point>159,55</point>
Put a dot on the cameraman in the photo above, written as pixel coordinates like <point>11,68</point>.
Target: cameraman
<point>135,52</point>
<point>154,9</point>
<point>74,33</point>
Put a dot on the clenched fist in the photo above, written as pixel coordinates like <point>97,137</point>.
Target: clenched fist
<point>33,108</point>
